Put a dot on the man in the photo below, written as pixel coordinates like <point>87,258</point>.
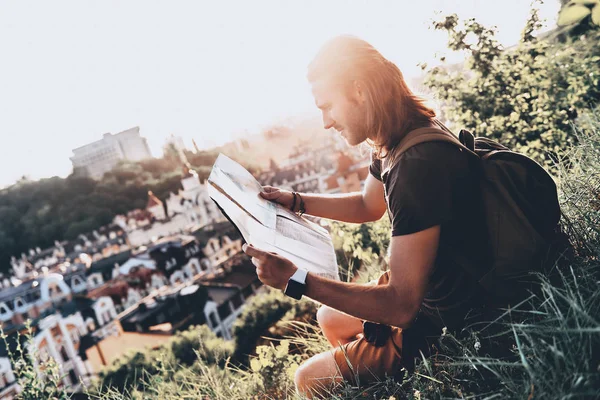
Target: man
<point>431,198</point>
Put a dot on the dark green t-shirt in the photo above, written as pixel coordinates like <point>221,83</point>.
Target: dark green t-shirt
<point>433,184</point>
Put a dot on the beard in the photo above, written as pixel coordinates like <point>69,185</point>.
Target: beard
<point>355,130</point>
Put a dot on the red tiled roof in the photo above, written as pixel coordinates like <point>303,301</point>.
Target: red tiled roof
<point>153,200</point>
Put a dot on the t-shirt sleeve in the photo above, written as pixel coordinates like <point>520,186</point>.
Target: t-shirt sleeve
<point>375,167</point>
<point>419,192</point>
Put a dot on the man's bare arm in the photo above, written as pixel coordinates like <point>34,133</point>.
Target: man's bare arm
<point>411,261</point>
<point>358,207</point>
<point>397,303</point>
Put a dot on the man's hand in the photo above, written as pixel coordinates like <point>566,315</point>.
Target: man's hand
<point>279,196</point>
<point>272,269</point>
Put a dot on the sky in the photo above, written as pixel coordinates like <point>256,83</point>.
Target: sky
<point>212,71</point>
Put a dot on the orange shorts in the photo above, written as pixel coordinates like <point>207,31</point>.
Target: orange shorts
<point>360,361</point>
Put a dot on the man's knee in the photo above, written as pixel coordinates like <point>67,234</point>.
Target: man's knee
<point>300,379</point>
<point>325,316</point>
<point>317,375</point>
<point>322,315</point>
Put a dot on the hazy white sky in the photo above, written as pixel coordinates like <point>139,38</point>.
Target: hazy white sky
<point>209,70</point>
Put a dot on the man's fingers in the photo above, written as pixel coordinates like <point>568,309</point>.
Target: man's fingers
<point>253,251</point>
<point>270,195</point>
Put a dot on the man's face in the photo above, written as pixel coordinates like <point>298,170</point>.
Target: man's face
<point>342,110</point>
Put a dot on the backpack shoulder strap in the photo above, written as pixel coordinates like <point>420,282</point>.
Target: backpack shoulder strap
<point>419,136</point>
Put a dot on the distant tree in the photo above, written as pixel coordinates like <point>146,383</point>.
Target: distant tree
<point>35,214</point>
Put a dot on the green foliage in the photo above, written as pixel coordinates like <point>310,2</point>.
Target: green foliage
<point>259,313</point>
<point>139,369</point>
<point>133,370</point>
<point>526,96</point>
<point>579,187</point>
<point>34,384</point>
<point>358,245</point>
<point>199,343</point>
<point>275,369</point>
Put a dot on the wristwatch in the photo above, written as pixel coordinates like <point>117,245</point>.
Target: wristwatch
<point>296,285</point>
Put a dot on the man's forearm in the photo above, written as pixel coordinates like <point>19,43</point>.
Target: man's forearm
<point>380,303</point>
<point>348,207</point>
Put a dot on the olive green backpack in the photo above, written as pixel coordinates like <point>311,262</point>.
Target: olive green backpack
<point>521,209</point>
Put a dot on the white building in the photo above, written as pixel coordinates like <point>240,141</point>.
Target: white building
<point>58,337</point>
<point>8,382</point>
<point>190,207</point>
<point>193,201</point>
<point>96,158</point>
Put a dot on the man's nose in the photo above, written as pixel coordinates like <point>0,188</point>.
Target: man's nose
<point>328,122</point>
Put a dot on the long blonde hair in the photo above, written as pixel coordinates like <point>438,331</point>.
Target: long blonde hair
<point>392,110</point>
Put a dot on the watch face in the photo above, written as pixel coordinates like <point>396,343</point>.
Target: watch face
<point>295,289</point>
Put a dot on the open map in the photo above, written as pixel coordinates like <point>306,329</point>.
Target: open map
<point>267,225</point>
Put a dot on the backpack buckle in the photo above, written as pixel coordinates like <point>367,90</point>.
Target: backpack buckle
<point>467,139</point>
<point>376,334</point>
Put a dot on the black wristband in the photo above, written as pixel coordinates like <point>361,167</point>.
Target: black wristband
<point>294,203</point>
<point>301,209</point>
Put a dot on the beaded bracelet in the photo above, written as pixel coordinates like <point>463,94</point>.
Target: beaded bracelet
<point>301,209</point>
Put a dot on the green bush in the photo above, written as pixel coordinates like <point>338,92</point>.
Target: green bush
<point>200,343</point>
<point>526,96</point>
<point>139,369</point>
<point>134,370</point>
<point>358,245</point>
<point>34,384</point>
<point>259,313</point>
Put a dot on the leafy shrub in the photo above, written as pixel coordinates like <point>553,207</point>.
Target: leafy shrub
<point>579,186</point>
<point>33,383</point>
<point>358,245</point>
<point>138,369</point>
<point>275,368</point>
<point>526,96</point>
<point>259,313</point>
<point>200,343</point>
<point>134,370</point>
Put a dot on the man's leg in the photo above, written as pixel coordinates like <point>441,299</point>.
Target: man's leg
<point>339,328</point>
<point>318,376</point>
<point>357,362</point>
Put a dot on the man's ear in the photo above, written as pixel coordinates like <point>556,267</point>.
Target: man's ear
<point>359,92</point>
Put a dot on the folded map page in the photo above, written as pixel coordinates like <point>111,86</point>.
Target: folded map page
<point>267,225</point>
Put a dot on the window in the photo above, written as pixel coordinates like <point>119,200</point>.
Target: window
<point>224,310</point>
<point>74,336</point>
<point>19,303</point>
<point>73,377</point>
<point>76,281</point>
<point>237,301</point>
<point>63,354</point>
<point>4,309</point>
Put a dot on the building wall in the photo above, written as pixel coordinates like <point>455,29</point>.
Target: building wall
<point>59,338</point>
<point>7,376</point>
<point>113,347</point>
<point>133,146</point>
<point>103,155</point>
